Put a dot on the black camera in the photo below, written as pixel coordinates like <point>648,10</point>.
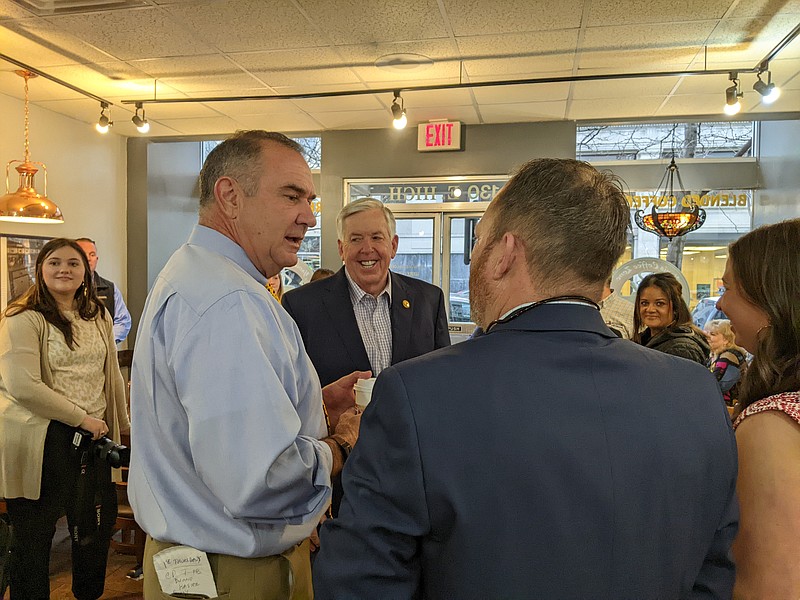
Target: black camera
<point>116,455</point>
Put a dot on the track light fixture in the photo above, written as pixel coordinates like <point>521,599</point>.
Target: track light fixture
<point>732,95</point>
<point>769,91</point>
<point>399,119</point>
<point>142,124</point>
<point>104,122</point>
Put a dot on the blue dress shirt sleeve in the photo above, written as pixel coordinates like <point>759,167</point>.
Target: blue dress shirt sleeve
<point>122,317</point>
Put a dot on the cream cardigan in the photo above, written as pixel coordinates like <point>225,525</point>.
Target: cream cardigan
<point>28,402</point>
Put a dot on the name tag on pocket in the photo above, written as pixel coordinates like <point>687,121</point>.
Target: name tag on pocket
<point>185,572</point>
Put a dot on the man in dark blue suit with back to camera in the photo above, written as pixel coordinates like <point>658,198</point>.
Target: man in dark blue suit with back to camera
<point>546,458</point>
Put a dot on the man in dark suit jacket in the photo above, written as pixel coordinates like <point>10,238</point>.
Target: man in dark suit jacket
<point>546,458</point>
<point>324,310</point>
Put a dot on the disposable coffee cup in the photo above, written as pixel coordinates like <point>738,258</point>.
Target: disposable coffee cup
<point>363,389</point>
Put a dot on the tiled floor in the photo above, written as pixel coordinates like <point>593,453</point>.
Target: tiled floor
<point>118,587</point>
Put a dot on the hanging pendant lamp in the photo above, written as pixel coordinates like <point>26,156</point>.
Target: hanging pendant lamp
<point>26,205</point>
<point>671,223</point>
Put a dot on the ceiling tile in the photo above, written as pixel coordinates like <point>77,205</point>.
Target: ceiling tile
<point>41,44</point>
<point>354,119</point>
<point>39,88</point>
<point>694,104</point>
<point>162,112</point>
<point>10,10</point>
<point>759,8</point>
<point>360,21</point>
<point>341,103</point>
<point>183,66</point>
<point>622,88</point>
<point>785,73</point>
<point>515,94</point>
<point>284,122</point>
<point>475,17</point>
<point>523,111</point>
<point>422,114</point>
<point>251,107</point>
<point>105,79</point>
<point>133,33</point>
<point>442,69</point>
<point>528,67</point>
<point>518,45</point>
<point>788,102</point>
<point>634,107</point>
<point>627,12</point>
<point>215,85</point>
<point>703,84</point>
<point>434,98</point>
<point>647,37</point>
<point>248,25</point>
<point>305,65</point>
<point>204,126</point>
<point>663,59</point>
<point>315,89</point>
<point>748,40</point>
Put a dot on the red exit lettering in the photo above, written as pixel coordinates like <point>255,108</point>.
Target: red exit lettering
<point>438,135</point>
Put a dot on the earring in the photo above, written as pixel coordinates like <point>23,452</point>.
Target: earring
<point>762,328</point>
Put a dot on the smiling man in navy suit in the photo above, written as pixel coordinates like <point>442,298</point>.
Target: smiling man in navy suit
<point>546,458</point>
<point>365,317</point>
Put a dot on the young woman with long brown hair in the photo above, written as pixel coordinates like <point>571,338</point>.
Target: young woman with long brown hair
<point>58,375</point>
<point>762,301</point>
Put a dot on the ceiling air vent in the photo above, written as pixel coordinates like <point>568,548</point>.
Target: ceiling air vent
<point>44,8</point>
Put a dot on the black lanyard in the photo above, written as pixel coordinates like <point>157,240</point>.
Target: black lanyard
<point>514,314</point>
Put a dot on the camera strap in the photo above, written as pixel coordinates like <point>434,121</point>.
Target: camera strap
<point>84,530</point>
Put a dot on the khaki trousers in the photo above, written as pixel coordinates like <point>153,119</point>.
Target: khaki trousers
<point>284,576</point>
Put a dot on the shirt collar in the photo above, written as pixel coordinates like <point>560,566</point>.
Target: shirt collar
<point>213,240</point>
<point>357,294</point>
<point>524,304</point>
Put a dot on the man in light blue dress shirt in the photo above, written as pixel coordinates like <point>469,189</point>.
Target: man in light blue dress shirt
<point>231,452</point>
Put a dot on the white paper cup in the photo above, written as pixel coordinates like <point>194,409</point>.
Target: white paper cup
<point>363,389</point>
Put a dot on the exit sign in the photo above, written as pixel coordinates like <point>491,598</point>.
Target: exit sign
<point>439,136</point>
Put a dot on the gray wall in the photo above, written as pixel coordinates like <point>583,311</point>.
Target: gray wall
<point>162,209</point>
<point>489,150</point>
<point>779,151</point>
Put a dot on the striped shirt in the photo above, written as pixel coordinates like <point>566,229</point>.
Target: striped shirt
<point>374,323</point>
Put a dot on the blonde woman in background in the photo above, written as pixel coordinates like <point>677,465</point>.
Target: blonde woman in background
<point>59,375</point>
<point>275,286</point>
<point>762,301</point>
<point>728,360</point>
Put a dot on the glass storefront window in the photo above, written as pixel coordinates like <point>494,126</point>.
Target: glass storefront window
<point>429,190</point>
<point>728,217</point>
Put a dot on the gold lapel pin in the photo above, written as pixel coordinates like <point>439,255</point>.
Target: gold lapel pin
<point>406,304</point>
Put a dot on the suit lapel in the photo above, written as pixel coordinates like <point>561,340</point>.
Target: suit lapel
<point>402,312</point>
<point>342,318</point>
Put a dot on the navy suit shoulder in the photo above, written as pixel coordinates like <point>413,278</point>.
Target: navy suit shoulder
<point>615,463</point>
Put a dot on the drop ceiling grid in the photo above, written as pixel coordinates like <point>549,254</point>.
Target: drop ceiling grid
<point>367,21</point>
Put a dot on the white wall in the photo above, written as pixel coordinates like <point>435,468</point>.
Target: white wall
<point>86,177</point>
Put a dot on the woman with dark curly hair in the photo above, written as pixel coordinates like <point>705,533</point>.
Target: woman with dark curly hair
<point>59,377</point>
<point>661,319</point>
<point>762,301</point>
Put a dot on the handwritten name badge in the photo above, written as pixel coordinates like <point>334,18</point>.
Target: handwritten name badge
<point>185,572</point>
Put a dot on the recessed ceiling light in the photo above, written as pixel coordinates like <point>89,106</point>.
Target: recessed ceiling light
<point>403,63</point>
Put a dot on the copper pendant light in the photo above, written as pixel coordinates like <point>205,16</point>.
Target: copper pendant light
<point>26,205</point>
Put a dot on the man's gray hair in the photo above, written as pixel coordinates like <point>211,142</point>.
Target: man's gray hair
<point>361,205</point>
<point>239,157</point>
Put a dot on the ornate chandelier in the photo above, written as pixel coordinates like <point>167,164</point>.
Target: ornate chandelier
<point>26,205</point>
<point>670,224</point>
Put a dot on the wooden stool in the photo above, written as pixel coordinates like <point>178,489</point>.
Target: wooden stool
<point>131,537</point>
